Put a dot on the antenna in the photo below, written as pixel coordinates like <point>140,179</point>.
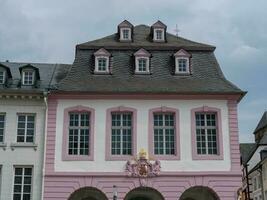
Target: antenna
<point>176,30</point>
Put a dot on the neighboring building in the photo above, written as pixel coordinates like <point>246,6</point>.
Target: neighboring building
<point>23,107</point>
<point>143,114</point>
<point>254,163</point>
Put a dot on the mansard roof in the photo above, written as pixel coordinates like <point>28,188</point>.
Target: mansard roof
<point>49,75</point>
<point>142,39</point>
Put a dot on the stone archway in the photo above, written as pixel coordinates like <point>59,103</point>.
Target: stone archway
<point>88,193</point>
<point>144,193</point>
<point>199,193</point>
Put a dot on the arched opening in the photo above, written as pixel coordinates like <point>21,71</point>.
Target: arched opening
<point>144,193</point>
<point>199,193</point>
<point>88,193</point>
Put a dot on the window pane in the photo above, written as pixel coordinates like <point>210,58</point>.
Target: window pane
<point>206,133</point>
<point>142,65</point>
<point>2,125</point>
<point>121,133</point>
<point>22,189</point>
<point>102,64</point>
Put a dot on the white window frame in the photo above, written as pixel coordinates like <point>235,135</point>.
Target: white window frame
<point>22,184</point>
<point>2,81</point>
<point>122,36</point>
<point>155,34</point>
<point>177,65</point>
<point>4,114</point>
<point>97,66</point>
<point>26,128</point>
<point>23,77</point>
<point>137,65</point>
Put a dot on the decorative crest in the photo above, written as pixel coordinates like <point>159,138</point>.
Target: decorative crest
<point>142,167</point>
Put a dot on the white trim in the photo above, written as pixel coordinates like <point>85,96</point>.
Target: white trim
<point>129,35</point>
<point>23,76</point>
<point>137,64</point>
<point>155,34</point>
<point>177,65</point>
<point>4,77</point>
<point>97,66</point>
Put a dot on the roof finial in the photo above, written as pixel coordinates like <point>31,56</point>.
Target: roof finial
<point>176,30</point>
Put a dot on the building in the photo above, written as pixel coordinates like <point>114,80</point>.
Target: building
<point>143,114</point>
<point>254,163</point>
<point>23,107</point>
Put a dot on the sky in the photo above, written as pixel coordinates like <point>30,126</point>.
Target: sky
<point>48,30</point>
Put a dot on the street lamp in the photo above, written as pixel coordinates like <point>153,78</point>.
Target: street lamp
<point>115,192</point>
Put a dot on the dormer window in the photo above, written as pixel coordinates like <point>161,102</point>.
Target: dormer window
<point>182,62</point>
<point>2,77</point>
<point>142,65</point>
<point>28,77</point>
<point>142,62</point>
<point>125,30</point>
<point>125,34</point>
<point>158,34</point>
<point>101,61</point>
<point>158,31</point>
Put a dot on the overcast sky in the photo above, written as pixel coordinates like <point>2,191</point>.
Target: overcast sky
<point>48,30</point>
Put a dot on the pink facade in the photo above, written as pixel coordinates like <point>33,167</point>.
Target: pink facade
<point>171,185</point>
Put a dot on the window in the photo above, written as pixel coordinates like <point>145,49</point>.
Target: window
<point>182,65</point>
<point>28,77</point>
<point>142,65</point>
<point>125,34</point>
<point>182,62</point>
<point>22,183</point>
<point>158,34</point>
<point>102,64</point>
<point>206,133</point>
<point>25,129</point>
<point>255,183</point>
<point>164,134</point>
<point>121,133</point>
<point>79,133</point>
<point>2,77</point>
<point>2,127</point>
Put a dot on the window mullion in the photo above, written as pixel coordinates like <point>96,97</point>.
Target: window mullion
<point>163,129</point>
<point>79,129</point>
<point>22,183</point>
<point>121,132</point>
<point>25,128</point>
<point>206,134</point>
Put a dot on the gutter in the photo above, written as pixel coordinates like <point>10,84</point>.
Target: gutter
<point>45,95</point>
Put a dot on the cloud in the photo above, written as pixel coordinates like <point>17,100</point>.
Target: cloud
<point>47,31</point>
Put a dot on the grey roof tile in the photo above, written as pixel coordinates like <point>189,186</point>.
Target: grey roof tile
<point>262,123</point>
<point>246,149</point>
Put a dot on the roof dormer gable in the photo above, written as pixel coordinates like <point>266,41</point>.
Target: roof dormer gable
<point>102,52</point>
<point>142,53</point>
<point>158,30</point>
<point>125,31</point>
<point>182,53</point>
<point>29,75</point>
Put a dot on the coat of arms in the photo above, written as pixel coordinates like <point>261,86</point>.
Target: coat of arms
<point>142,167</point>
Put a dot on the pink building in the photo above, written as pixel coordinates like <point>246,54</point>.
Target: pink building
<point>143,114</point>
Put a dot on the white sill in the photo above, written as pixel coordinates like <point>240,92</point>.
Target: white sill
<point>142,73</point>
<point>182,73</point>
<point>101,72</point>
<point>23,145</point>
<point>3,145</point>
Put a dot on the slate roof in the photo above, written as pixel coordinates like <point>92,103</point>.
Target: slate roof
<point>143,39</point>
<point>262,123</point>
<point>206,76</point>
<point>246,149</point>
<point>50,74</point>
